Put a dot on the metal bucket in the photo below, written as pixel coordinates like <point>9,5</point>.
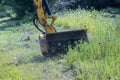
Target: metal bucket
<point>56,43</point>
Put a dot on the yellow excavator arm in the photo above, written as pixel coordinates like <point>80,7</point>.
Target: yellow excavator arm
<point>52,42</point>
<point>43,18</point>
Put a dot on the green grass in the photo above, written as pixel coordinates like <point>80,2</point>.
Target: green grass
<point>98,60</point>
<point>23,60</point>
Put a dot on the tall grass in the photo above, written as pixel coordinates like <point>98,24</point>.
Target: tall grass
<point>98,60</point>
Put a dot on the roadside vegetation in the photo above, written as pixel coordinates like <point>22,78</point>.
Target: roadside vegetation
<point>97,60</point>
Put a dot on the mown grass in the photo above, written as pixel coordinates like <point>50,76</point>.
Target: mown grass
<point>98,60</point>
<point>23,60</point>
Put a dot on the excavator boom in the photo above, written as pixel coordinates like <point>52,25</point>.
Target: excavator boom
<point>53,42</point>
<point>42,17</point>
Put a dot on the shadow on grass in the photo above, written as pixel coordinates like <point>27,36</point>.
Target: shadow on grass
<point>8,20</point>
<point>9,23</point>
<point>42,59</point>
<point>34,59</point>
<point>39,58</point>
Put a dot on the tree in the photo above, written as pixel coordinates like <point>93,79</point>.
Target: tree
<point>22,7</point>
